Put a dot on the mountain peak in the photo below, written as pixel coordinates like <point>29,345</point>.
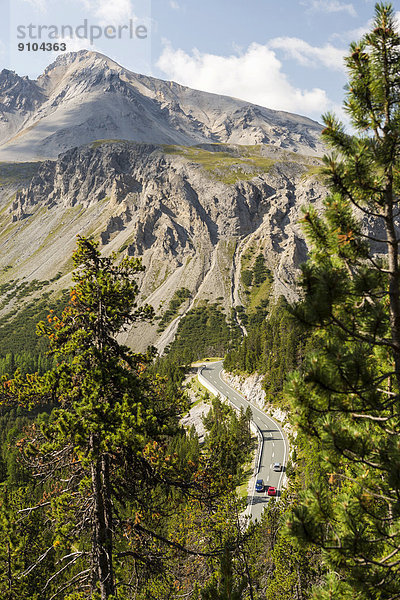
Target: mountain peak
<point>78,63</point>
<point>79,57</point>
<point>86,96</point>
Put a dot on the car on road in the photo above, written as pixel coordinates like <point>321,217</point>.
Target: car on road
<point>260,487</point>
<point>272,491</point>
<point>277,466</point>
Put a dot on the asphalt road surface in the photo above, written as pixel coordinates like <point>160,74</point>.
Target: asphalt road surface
<point>274,447</point>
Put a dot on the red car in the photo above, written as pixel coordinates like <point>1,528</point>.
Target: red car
<point>272,491</point>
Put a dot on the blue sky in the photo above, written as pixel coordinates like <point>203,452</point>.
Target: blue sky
<point>283,54</point>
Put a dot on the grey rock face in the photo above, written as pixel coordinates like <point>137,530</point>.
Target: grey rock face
<point>189,226</point>
<point>19,98</point>
<point>18,93</point>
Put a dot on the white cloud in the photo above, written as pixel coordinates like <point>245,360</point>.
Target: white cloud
<point>255,75</point>
<point>353,35</point>
<point>174,5</point>
<point>329,6</point>
<point>307,55</point>
<point>110,12</point>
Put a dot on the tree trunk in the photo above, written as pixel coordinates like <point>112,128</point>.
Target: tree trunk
<point>9,570</point>
<point>394,282</point>
<point>102,548</point>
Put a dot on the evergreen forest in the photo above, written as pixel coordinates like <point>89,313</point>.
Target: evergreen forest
<point>105,495</point>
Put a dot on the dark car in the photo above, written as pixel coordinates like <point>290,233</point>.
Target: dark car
<point>260,487</point>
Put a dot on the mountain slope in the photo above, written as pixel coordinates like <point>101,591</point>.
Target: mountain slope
<point>85,96</point>
<point>191,213</point>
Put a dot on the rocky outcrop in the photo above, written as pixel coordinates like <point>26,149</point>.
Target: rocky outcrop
<point>187,223</point>
<point>19,99</point>
<point>251,388</point>
<point>18,94</point>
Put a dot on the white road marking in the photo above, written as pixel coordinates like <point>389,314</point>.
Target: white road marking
<point>233,394</point>
<point>275,424</point>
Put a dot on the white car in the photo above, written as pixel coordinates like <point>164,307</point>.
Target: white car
<point>277,467</point>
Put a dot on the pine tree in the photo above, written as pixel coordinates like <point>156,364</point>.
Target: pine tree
<point>347,396</point>
<point>103,451</point>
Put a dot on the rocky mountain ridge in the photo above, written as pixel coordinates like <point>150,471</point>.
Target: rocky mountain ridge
<point>85,96</point>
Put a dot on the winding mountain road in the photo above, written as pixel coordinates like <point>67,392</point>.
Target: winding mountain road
<point>274,447</point>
